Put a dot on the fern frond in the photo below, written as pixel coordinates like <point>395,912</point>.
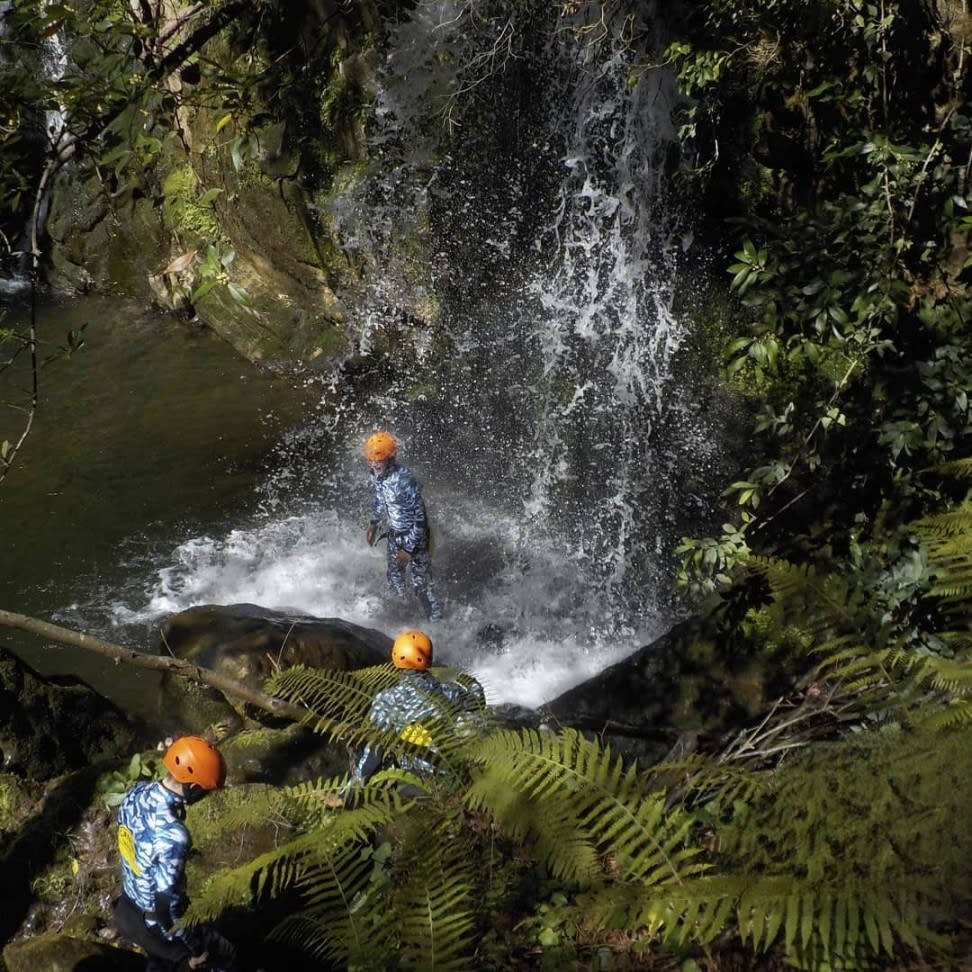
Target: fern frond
<point>952,675</point>
<point>241,886</point>
<point>592,802</point>
<point>940,528</point>
<point>339,700</point>
<point>955,715</point>
<point>437,931</point>
<point>828,600</point>
<point>958,468</point>
<point>716,782</point>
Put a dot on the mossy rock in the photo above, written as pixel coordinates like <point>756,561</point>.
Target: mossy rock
<point>54,952</point>
<point>249,643</point>
<point>17,797</point>
<point>688,682</point>
<point>283,756</point>
<point>49,726</point>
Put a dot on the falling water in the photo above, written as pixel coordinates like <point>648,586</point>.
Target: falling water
<point>526,362</point>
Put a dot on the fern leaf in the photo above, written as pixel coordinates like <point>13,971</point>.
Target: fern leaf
<point>589,800</point>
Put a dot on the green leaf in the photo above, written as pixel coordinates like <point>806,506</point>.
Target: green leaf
<point>239,294</point>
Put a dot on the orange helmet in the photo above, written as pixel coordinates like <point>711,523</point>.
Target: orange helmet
<point>192,759</point>
<point>379,446</point>
<point>412,649</point>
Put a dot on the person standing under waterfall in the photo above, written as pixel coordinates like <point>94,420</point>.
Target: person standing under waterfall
<point>400,508</point>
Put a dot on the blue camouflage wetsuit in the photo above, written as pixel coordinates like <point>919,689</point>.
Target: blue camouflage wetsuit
<point>417,696</point>
<point>154,844</point>
<point>399,503</point>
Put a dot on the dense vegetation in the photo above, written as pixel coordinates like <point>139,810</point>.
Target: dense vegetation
<point>826,144</point>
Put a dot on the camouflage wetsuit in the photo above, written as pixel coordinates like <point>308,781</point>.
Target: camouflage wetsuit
<point>417,696</point>
<point>154,843</point>
<point>399,503</point>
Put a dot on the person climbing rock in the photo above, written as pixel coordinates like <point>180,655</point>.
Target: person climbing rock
<point>154,843</point>
<point>418,696</point>
<point>400,509</point>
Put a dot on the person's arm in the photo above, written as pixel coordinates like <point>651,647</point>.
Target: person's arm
<point>464,689</point>
<point>171,899</point>
<point>377,513</point>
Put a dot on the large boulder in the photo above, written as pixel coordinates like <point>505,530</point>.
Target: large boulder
<point>689,684</point>
<point>248,643</point>
<point>58,952</point>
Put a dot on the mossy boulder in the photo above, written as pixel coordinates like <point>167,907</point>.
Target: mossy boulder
<point>49,726</point>
<point>282,756</point>
<point>249,643</point>
<point>691,682</point>
<point>56,952</point>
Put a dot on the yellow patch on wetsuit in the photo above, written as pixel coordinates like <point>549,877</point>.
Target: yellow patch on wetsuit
<point>416,734</point>
<point>126,847</point>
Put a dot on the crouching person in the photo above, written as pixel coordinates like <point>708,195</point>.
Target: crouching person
<point>417,697</point>
<point>154,843</point>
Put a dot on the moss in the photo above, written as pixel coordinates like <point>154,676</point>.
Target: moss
<point>184,210</point>
<point>235,824</point>
<point>15,801</point>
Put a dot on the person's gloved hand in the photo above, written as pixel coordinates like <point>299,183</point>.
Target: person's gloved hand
<point>402,558</point>
<point>371,533</point>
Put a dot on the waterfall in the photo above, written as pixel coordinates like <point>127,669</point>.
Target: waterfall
<point>554,253</point>
<point>522,346</point>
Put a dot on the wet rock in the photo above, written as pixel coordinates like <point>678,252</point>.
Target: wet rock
<point>248,643</point>
<point>690,683</point>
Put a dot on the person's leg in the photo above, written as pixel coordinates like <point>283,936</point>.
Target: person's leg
<point>164,954</point>
<point>395,574</point>
<point>222,952</point>
<point>421,571</point>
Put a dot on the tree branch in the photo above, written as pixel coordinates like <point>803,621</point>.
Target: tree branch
<point>159,663</point>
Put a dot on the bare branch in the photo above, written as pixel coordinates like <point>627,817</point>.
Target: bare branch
<point>159,663</point>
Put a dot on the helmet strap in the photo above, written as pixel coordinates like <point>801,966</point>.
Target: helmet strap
<point>192,793</point>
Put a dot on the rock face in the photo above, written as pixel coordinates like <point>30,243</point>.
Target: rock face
<point>63,953</point>
<point>50,726</point>
<point>688,683</point>
<point>231,222</point>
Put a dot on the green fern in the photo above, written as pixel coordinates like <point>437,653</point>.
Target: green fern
<point>584,804</point>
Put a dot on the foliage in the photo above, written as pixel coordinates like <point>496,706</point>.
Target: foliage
<point>853,307</point>
<point>113,786</point>
<point>578,847</point>
<point>849,535</point>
